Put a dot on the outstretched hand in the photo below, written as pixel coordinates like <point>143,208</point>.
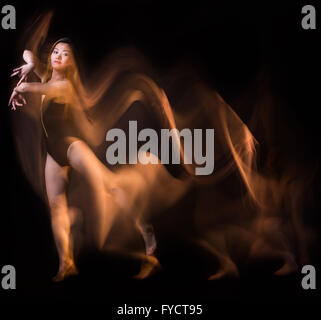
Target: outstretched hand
<point>23,72</point>
<point>16,99</point>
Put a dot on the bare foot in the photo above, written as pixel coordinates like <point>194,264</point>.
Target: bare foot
<point>289,266</point>
<point>228,270</point>
<point>69,269</point>
<point>150,265</point>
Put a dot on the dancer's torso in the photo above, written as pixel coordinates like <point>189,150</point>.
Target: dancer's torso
<point>58,126</point>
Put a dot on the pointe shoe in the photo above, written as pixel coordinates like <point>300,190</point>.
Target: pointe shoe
<point>67,271</point>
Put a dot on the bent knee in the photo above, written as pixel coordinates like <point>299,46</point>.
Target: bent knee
<point>75,153</point>
<point>74,148</point>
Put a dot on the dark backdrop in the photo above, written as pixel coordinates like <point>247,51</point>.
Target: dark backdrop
<point>228,43</point>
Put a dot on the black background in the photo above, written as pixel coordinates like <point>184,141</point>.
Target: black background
<point>228,43</point>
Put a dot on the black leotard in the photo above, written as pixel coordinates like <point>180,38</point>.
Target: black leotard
<point>59,129</point>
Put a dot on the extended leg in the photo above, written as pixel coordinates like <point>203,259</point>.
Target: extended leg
<point>103,206</point>
<point>56,179</point>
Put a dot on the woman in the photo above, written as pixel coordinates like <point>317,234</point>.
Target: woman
<point>66,146</point>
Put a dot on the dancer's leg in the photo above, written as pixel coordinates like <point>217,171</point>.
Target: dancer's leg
<point>56,179</point>
<point>109,194</point>
<point>103,206</point>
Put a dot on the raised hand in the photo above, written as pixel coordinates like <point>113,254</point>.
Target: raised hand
<point>23,71</point>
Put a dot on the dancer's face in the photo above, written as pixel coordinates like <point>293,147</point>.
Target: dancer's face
<point>61,56</point>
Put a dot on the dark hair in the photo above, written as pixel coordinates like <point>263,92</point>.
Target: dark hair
<point>72,73</point>
<point>64,40</point>
<point>49,68</point>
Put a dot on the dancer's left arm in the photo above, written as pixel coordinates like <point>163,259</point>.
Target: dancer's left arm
<point>57,89</point>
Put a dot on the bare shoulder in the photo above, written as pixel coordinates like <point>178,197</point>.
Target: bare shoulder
<point>61,90</point>
<point>62,85</point>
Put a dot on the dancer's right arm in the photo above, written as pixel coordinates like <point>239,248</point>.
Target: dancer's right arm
<point>30,58</point>
<point>32,64</point>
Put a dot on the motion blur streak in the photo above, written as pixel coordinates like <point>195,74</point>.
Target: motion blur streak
<point>242,214</point>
